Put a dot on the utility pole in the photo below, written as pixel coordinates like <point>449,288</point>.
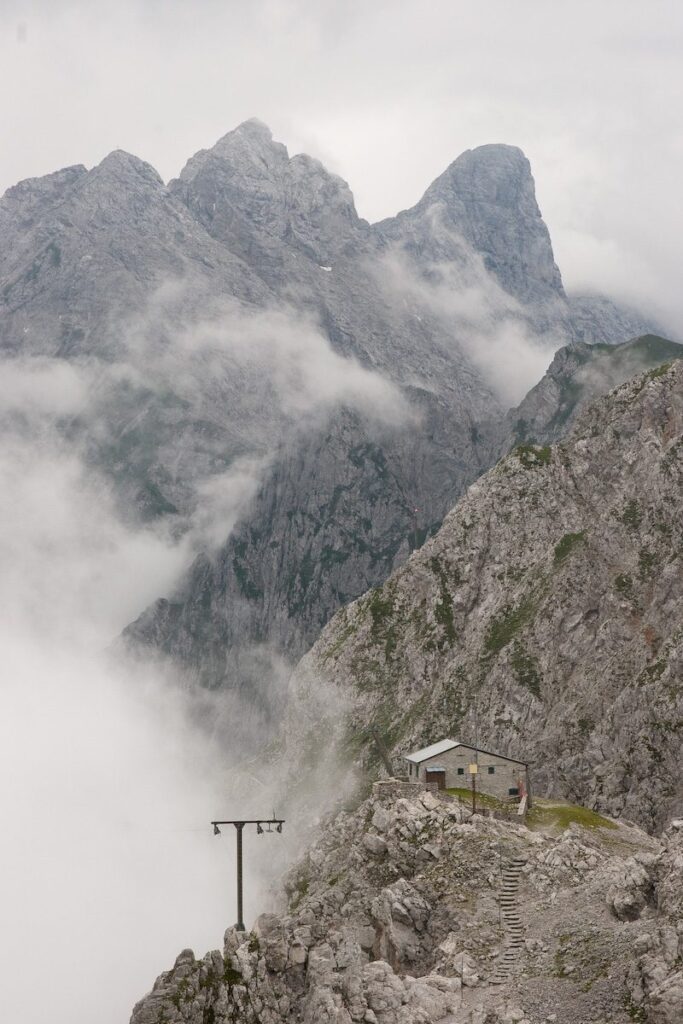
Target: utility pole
<point>474,768</point>
<point>239,826</point>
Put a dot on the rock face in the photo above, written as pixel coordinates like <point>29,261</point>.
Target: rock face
<point>192,312</point>
<point>578,374</point>
<point>486,200</point>
<point>546,614</point>
<point>336,515</point>
<point>595,319</point>
<point>393,917</point>
<point>247,185</point>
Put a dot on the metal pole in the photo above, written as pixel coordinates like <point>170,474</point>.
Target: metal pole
<point>239,825</point>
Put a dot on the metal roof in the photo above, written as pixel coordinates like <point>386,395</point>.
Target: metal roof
<point>436,748</point>
<point>443,745</point>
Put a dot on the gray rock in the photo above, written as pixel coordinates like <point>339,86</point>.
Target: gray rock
<point>328,976</point>
<point>553,591</point>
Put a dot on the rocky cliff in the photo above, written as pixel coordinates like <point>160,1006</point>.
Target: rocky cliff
<point>232,317</point>
<point>409,910</point>
<point>578,374</point>
<point>341,510</point>
<point>544,617</point>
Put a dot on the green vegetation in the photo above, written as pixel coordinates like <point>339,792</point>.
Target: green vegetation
<point>301,890</point>
<point>532,455</point>
<point>547,814</point>
<point>483,799</point>
<point>658,371</point>
<point>330,556</point>
<point>632,515</point>
<point>443,609</point>
<point>249,589</point>
<point>232,977</point>
<point>182,993</point>
<point>669,460</point>
<point>650,347</point>
<point>344,633</point>
<point>381,608</point>
<point>646,563</point>
<point>654,671</point>
<point>636,1013</point>
<point>526,669</point>
<point>623,584</point>
<point>566,545</point>
<point>503,628</point>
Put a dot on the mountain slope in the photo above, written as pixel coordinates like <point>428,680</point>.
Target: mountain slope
<point>397,914</point>
<point>545,615</point>
<point>340,511</point>
<point>226,322</point>
<point>486,200</point>
<point>578,374</point>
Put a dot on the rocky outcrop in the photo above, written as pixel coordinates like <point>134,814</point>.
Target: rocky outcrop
<point>337,514</point>
<point>248,181</point>
<point>578,374</point>
<point>192,311</point>
<point>394,917</point>
<point>596,319</point>
<point>545,614</point>
<point>486,201</point>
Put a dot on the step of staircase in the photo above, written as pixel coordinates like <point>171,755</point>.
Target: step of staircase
<point>514,929</point>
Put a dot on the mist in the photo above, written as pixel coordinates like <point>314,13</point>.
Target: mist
<point>111,767</point>
<point>107,867</point>
<point>486,324</point>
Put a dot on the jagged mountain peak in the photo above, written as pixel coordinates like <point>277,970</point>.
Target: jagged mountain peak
<point>252,141</point>
<point>578,374</point>
<point>45,184</point>
<point>496,176</point>
<point>254,126</point>
<point>485,202</point>
<point>495,172</point>
<point>119,164</point>
<point>248,180</point>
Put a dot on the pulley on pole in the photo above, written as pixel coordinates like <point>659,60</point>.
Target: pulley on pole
<point>239,827</point>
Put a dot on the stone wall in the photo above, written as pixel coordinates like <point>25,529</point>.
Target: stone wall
<point>506,774</point>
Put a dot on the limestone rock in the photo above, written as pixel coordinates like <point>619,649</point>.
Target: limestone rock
<point>424,958</point>
<point>554,590</point>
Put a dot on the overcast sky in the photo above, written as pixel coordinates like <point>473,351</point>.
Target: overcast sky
<point>387,94</point>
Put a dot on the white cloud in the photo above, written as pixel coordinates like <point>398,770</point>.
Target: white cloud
<point>109,772</point>
<point>42,387</point>
<point>278,355</point>
<point>486,324</point>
